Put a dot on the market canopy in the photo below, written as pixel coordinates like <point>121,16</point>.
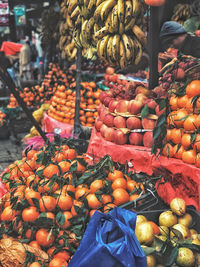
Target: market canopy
<point>11,48</point>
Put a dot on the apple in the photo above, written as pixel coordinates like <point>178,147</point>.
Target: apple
<point>102,96</point>
<point>136,139</point>
<point>109,134</point>
<point>148,139</point>
<point>135,106</point>
<point>120,138</point>
<point>142,90</point>
<point>103,129</point>
<point>122,106</point>
<point>151,104</point>
<point>119,122</point>
<point>112,105</point>
<point>107,100</point>
<point>98,125</point>
<point>108,120</point>
<point>160,112</point>
<point>148,124</point>
<point>141,97</point>
<point>133,123</point>
<point>179,74</point>
<point>103,113</point>
<point>110,70</point>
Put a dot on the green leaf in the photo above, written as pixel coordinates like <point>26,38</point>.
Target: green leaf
<point>36,203</point>
<point>161,120</point>
<point>50,234</point>
<point>5,177</point>
<point>60,218</point>
<point>156,132</point>
<point>73,167</point>
<point>148,250</point>
<point>193,137</point>
<point>170,255</point>
<point>145,112</point>
<point>71,194</point>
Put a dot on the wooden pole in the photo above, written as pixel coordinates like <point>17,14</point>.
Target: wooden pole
<point>153,39</point>
<point>5,77</point>
<point>77,126</point>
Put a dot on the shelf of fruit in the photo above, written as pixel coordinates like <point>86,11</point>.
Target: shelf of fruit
<point>62,106</point>
<point>52,193</point>
<point>128,112</point>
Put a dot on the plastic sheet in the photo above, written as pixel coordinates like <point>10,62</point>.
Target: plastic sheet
<point>184,180</point>
<point>109,240</point>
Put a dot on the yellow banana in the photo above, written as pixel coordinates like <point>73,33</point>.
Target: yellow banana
<point>109,53</point>
<point>121,28</point>
<point>89,27</point>
<point>130,25</point>
<point>76,36</point>
<point>128,12</point>
<point>86,3</point>
<point>127,46</point>
<point>122,61</point>
<point>102,32</point>
<point>72,6</point>
<point>136,7</point>
<point>75,13</point>
<point>121,10</point>
<point>116,46</point>
<point>139,34</point>
<point>114,19</point>
<point>99,2</point>
<point>103,46</point>
<point>138,55</point>
<point>84,12</point>
<point>91,5</point>
<point>108,23</point>
<point>108,5</point>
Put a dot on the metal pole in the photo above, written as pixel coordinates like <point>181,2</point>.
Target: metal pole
<point>77,126</point>
<point>153,40</point>
<point>5,77</point>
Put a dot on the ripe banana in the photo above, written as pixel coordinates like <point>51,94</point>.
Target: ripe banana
<point>114,19</point>
<point>139,51</point>
<point>76,36</point>
<point>121,10</point>
<point>102,32</point>
<point>97,13</point>
<point>108,5</point>
<point>72,5</point>
<point>116,47</point>
<point>102,47</point>
<point>127,47</point>
<point>139,34</point>
<point>75,13</point>
<point>99,2</point>
<point>91,5</point>
<point>122,61</point>
<point>109,53</point>
<point>128,12</point>
<point>136,7</point>
<point>130,25</point>
<point>108,23</point>
<point>88,29</point>
<point>121,28</point>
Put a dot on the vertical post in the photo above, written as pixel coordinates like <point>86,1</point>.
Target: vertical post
<point>77,127</point>
<point>153,39</point>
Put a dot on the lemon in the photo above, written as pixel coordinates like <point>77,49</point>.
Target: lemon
<point>178,206</point>
<point>167,218</point>
<point>185,258</point>
<point>144,232</point>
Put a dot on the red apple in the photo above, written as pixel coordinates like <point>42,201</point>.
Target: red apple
<point>110,70</point>
<point>135,139</point>
<point>109,134</point>
<point>108,120</point>
<point>158,112</point>
<point>103,113</point>
<point>148,124</point>
<point>179,74</point>
<point>98,125</point>
<point>122,106</point>
<point>102,96</point>
<point>148,139</point>
<point>135,107</point>
<point>133,123</point>
<point>119,122</point>
<point>106,101</point>
<point>103,129</point>
<point>120,138</point>
<point>112,105</point>
<point>151,103</point>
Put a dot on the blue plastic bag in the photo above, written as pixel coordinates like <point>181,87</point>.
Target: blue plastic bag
<point>110,241</point>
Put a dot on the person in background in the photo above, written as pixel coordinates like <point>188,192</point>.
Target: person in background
<point>174,35</point>
<point>40,60</point>
<point>25,62</point>
<point>193,24</point>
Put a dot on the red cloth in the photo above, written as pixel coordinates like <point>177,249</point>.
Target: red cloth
<point>11,48</point>
<point>183,181</point>
<point>49,124</point>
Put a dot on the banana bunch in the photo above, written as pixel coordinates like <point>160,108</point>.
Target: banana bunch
<point>182,12</point>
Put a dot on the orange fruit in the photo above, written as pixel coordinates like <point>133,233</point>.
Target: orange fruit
<point>30,214</point>
<point>169,134</point>
<point>34,244</point>
<point>51,250</point>
<point>43,238</point>
<point>29,195</point>
<point>193,88</point>
<point>35,264</point>
<point>51,170</point>
<point>7,214</point>
<point>197,161</point>
<point>190,123</point>
<point>168,151</point>
<point>114,175</point>
<point>65,166</point>
<point>69,188</point>
<point>181,115</point>
<point>48,214</point>
<point>173,102</point>
<point>80,168</point>
<point>178,151</point>
<point>189,156</point>
<point>47,203</point>
<point>67,215</point>
<point>131,185</point>
<point>93,202</point>
<point>92,213</point>
<point>64,202</point>
<point>121,196</point>
<point>197,143</point>
<point>80,192</point>
<point>59,156</point>
<point>96,186</point>
<point>186,140</point>
<point>75,203</point>
<point>119,183</point>
<point>134,197</point>
<point>58,262</point>
<point>156,229</point>
<point>29,165</point>
<point>176,135</point>
<point>182,101</point>
<point>45,186</point>
<point>106,199</point>
<point>108,207</point>
<point>70,154</point>
<point>31,154</point>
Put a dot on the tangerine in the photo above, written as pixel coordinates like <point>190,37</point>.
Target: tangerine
<point>44,237</point>
<point>96,186</point>
<point>189,157</point>
<point>93,201</point>
<point>121,196</point>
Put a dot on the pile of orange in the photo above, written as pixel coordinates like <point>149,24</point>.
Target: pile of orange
<point>47,204</point>
<point>63,104</point>
<point>183,137</point>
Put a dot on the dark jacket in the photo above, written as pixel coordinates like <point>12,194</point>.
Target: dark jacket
<point>191,46</point>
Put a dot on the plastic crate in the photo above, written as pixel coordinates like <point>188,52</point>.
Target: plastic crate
<point>153,215</point>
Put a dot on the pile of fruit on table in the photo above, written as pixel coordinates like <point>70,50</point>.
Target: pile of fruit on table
<point>183,139</point>
<point>62,106</point>
<point>2,118</point>
<point>53,193</point>
<point>128,113</point>
<point>170,237</point>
